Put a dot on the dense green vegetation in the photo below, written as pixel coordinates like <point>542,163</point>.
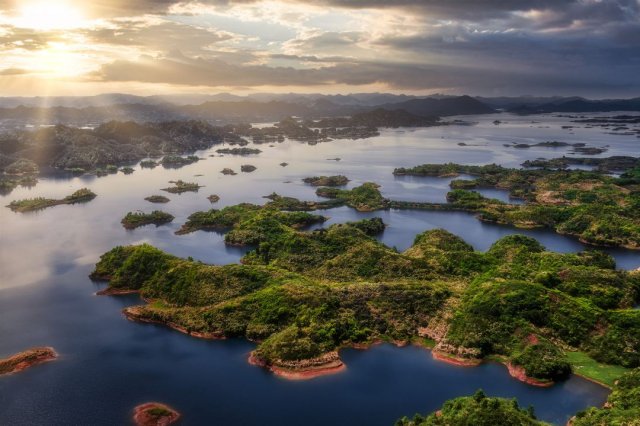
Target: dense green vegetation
<point>366,197</point>
<point>596,208</point>
<point>303,294</point>
<point>337,180</point>
<point>249,223</point>
<point>176,161</point>
<point>622,407</point>
<point>148,164</point>
<point>133,220</point>
<point>476,410</point>
<point>31,204</point>
<point>180,186</point>
<point>157,199</point>
<point>238,151</point>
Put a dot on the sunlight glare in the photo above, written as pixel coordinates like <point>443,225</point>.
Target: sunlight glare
<point>49,15</point>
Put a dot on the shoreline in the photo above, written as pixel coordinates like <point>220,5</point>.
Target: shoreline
<point>335,365</point>
<point>27,359</point>
<point>455,360</point>
<point>131,315</point>
<point>519,374</point>
<point>144,415</point>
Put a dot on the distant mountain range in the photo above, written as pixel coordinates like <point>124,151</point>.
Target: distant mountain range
<point>227,108</point>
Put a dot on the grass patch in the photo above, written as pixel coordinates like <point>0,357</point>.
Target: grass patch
<point>586,366</point>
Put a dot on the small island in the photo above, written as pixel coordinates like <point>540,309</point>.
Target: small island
<point>213,198</point>
<point>148,164</point>
<point>31,204</point>
<point>247,168</point>
<point>176,161</point>
<point>157,199</point>
<point>29,358</point>
<point>238,151</point>
<point>127,170</point>
<point>338,180</point>
<point>136,219</point>
<point>154,414</point>
<point>228,171</point>
<point>595,208</point>
<point>180,186</point>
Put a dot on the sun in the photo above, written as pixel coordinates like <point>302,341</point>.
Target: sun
<point>43,15</point>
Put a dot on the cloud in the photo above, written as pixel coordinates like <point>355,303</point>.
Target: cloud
<point>475,46</point>
<point>13,71</point>
<point>406,76</point>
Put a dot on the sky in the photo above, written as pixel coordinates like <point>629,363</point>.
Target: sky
<point>480,47</point>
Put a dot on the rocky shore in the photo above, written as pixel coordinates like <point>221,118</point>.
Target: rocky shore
<point>154,414</point>
<point>26,359</point>
<point>323,365</point>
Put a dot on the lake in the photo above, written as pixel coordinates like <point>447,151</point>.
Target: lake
<point>108,364</point>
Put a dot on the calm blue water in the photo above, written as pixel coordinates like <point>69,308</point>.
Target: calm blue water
<point>108,364</point>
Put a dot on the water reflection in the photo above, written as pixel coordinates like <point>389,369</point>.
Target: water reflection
<point>108,365</point>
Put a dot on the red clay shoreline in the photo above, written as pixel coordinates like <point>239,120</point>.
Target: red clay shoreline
<point>26,359</point>
<point>334,366</point>
<point>143,415</point>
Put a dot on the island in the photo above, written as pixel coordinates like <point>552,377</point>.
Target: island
<point>242,220</point>
<point>363,198</point>
<point>82,195</point>
<point>213,198</point>
<point>134,220</point>
<point>157,199</point>
<point>26,359</point>
<point>180,186</point>
<point>176,161</point>
<point>148,164</point>
<point>305,294</point>
<point>247,168</point>
<point>622,408</point>
<point>238,151</point>
<point>478,409</point>
<point>338,180</point>
<point>154,414</point>
<point>228,171</point>
<point>597,209</point>
<point>21,172</point>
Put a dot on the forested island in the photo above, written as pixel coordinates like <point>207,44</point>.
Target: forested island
<point>31,204</point>
<point>622,408</point>
<point>303,295</point>
<point>134,220</point>
<point>101,150</point>
<point>596,208</point>
<point>180,186</point>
